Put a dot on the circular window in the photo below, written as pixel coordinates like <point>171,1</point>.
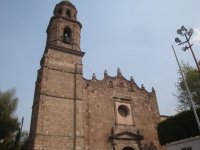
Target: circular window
<point>123,110</point>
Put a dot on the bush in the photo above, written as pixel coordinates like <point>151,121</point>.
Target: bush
<point>178,127</point>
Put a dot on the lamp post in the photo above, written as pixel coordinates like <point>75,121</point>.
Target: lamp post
<point>188,91</point>
<point>187,34</point>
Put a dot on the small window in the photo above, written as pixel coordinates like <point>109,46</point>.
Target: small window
<point>131,88</point>
<point>67,37</point>
<point>60,11</point>
<point>68,13</point>
<point>123,110</point>
<point>110,84</point>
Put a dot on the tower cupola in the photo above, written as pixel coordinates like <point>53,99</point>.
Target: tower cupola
<point>65,9</point>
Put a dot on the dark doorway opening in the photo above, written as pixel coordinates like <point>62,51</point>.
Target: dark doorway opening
<point>128,148</point>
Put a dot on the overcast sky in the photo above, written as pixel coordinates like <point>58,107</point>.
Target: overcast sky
<point>135,35</point>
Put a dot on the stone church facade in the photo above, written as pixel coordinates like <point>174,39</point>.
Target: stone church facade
<point>72,113</point>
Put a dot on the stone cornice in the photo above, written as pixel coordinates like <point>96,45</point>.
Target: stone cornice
<point>64,18</point>
<point>74,52</point>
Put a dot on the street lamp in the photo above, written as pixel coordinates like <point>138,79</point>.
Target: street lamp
<point>188,91</point>
<point>187,34</point>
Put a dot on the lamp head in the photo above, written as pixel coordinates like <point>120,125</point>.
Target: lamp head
<point>177,40</point>
<point>185,48</point>
<point>183,29</point>
<point>179,31</point>
<point>191,31</point>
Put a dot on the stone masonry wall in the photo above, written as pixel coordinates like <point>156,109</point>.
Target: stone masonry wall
<point>101,101</point>
<point>53,109</point>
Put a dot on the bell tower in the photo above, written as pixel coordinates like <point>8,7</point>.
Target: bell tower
<point>57,111</point>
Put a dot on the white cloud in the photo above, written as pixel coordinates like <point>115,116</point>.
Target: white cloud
<point>196,36</point>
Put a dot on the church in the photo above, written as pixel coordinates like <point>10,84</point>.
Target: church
<point>70,112</point>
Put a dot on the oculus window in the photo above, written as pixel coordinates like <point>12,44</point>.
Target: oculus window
<point>123,110</point>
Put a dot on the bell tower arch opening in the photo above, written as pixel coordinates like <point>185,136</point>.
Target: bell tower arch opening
<point>67,35</point>
<point>68,13</point>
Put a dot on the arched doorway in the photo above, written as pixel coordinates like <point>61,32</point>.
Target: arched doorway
<point>127,148</point>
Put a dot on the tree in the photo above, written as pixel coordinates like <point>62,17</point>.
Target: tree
<point>193,80</point>
<point>9,124</point>
<point>24,140</point>
<point>178,127</point>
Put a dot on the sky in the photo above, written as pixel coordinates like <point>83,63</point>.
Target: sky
<point>134,35</point>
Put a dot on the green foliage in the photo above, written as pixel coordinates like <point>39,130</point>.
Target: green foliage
<point>24,140</point>
<point>8,122</point>
<point>193,80</point>
<point>178,127</point>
